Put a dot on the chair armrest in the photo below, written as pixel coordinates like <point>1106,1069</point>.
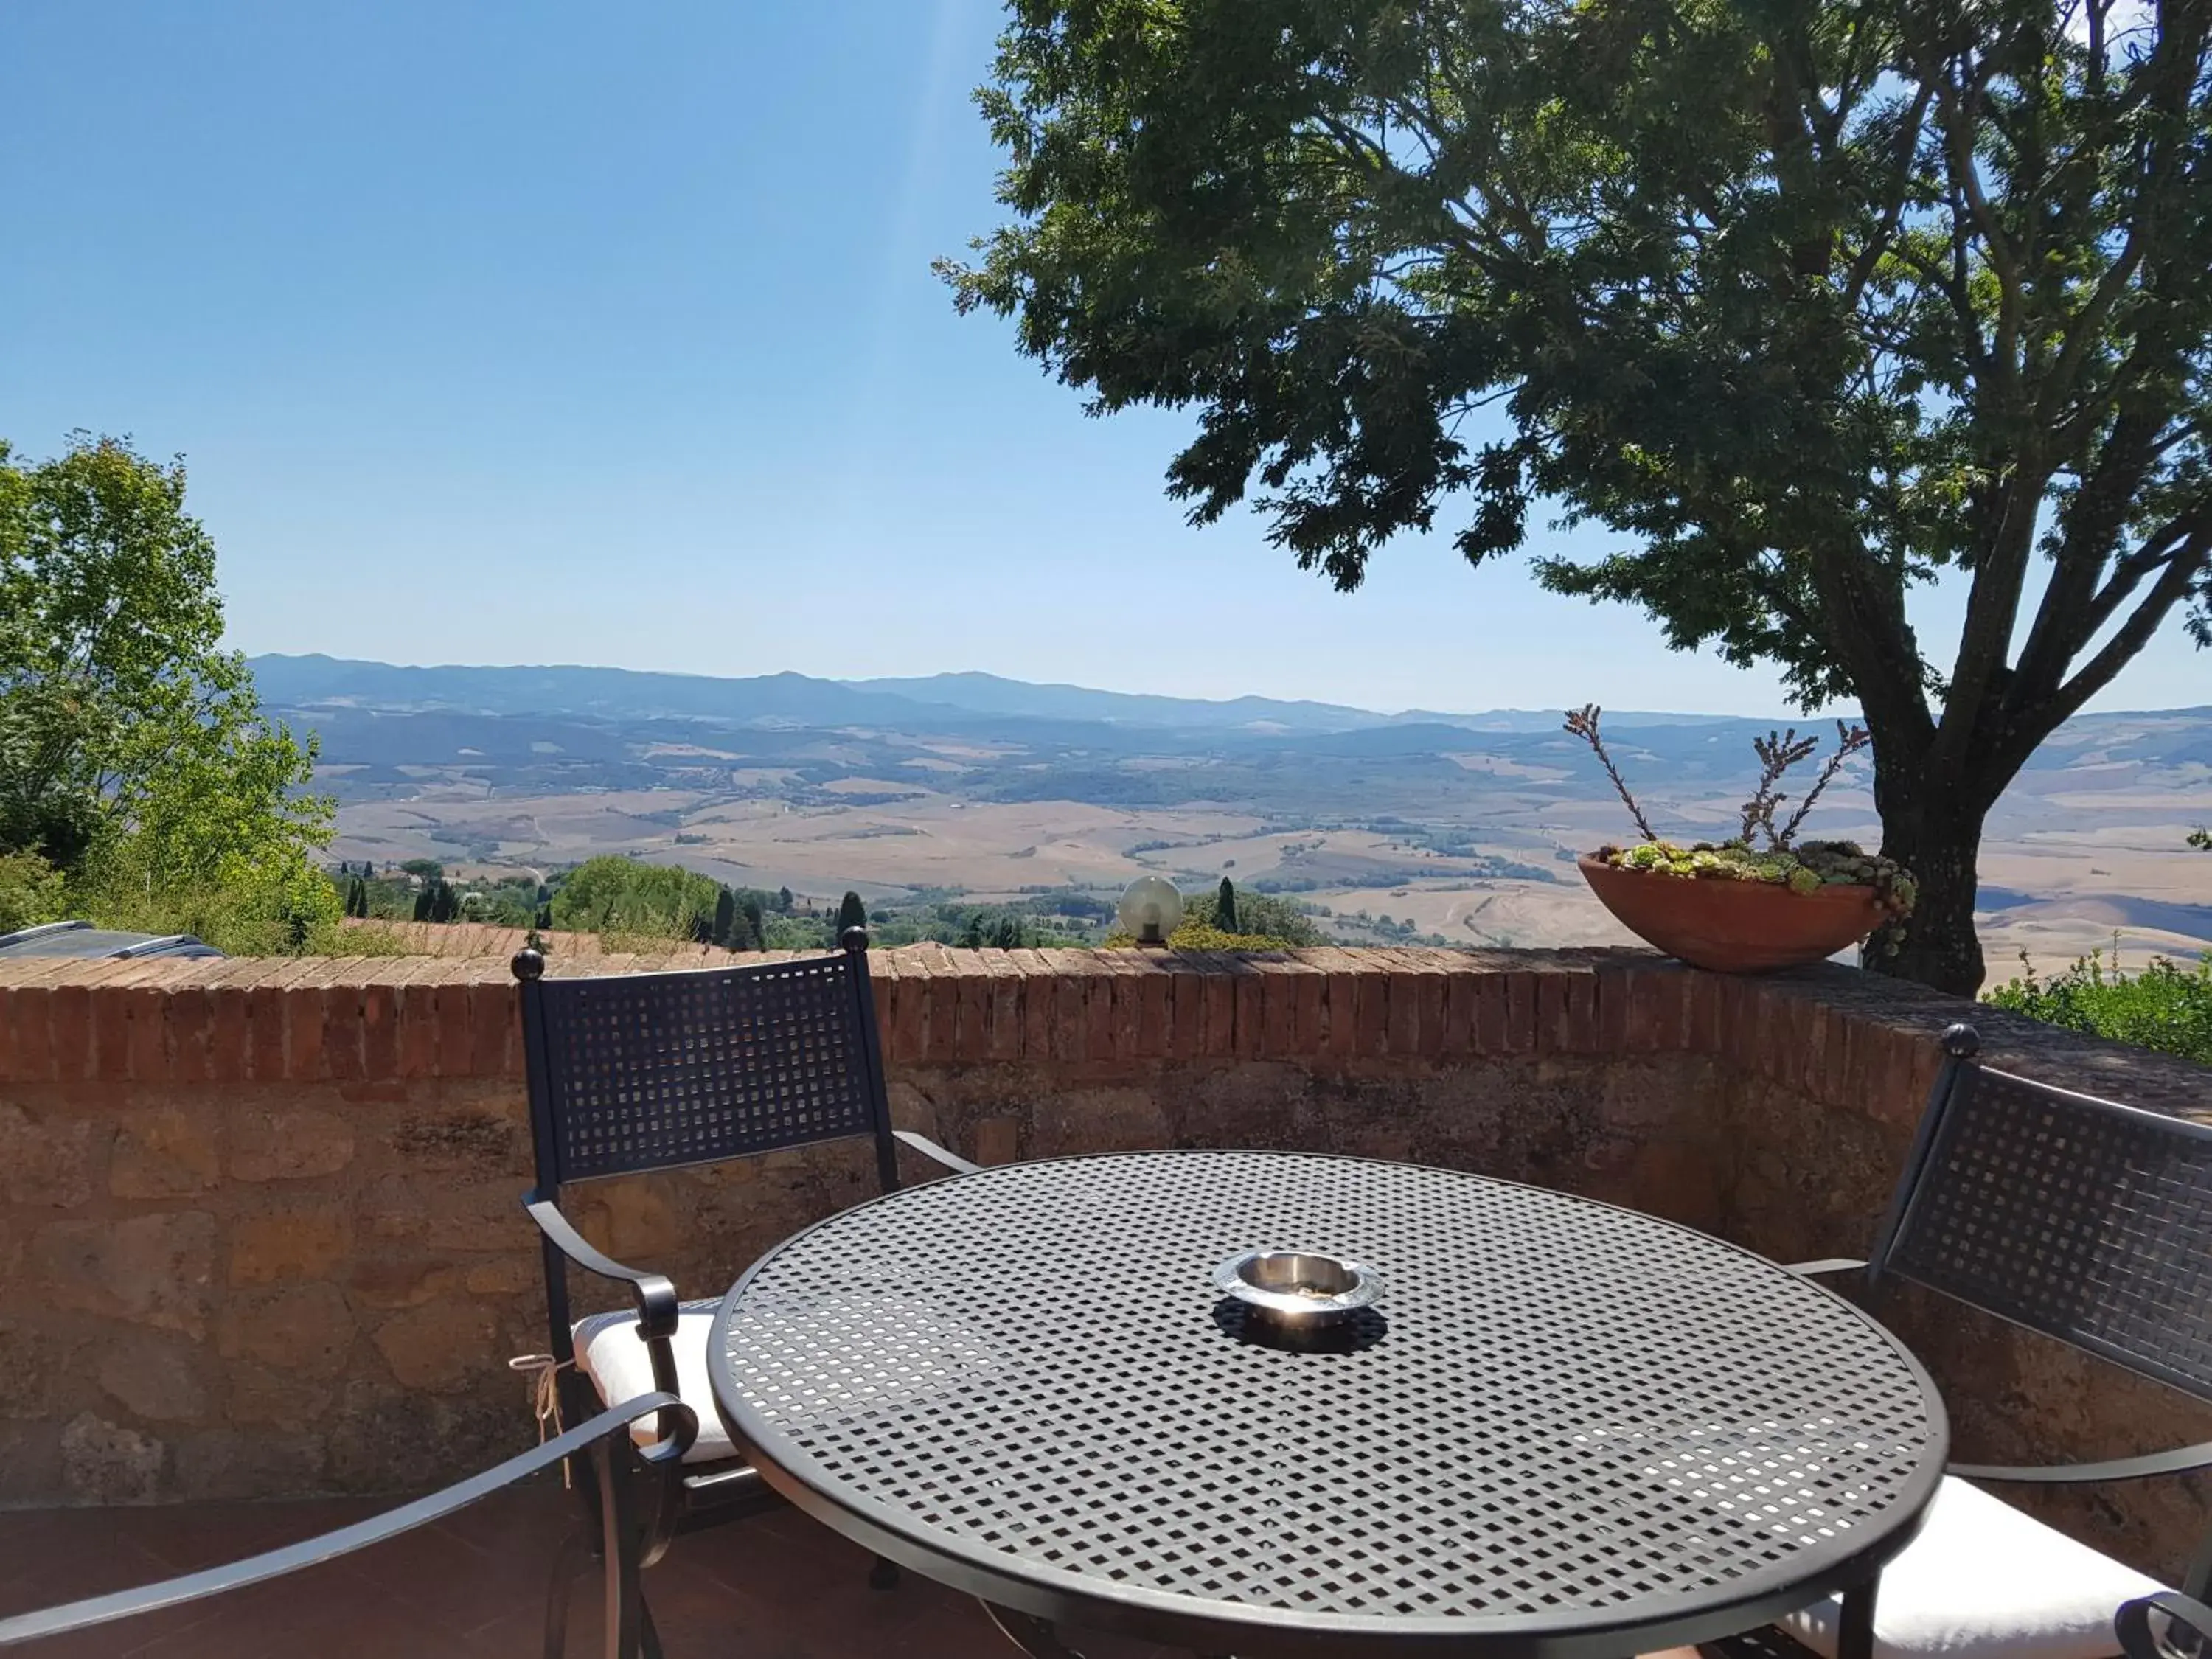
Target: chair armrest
<point>929,1149</point>
<point>658,1310</point>
<point>172,1592</point>
<point>1832,1264</point>
<point>2180,1461</point>
<point>654,1295</point>
<point>2132,1625</point>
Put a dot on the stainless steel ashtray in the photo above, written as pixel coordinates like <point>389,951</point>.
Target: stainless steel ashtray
<point>1299,1287</point>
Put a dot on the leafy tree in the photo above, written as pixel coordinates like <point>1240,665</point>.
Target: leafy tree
<point>1224,906</point>
<point>743,934</point>
<point>1807,303</point>
<point>426,868</point>
<point>134,755</point>
<point>851,913</point>
<point>437,902</point>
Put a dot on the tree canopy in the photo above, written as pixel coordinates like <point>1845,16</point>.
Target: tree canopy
<point>134,754</point>
<point>1809,300</point>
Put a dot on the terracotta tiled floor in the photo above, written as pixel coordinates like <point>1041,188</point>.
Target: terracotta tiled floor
<point>770,1587</point>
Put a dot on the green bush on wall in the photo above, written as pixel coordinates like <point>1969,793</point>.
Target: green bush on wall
<point>2166,1007</point>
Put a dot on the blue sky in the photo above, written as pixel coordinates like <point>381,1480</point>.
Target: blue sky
<point>554,332</point>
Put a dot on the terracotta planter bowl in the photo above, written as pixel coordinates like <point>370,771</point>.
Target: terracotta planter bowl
<point>1733,927</point>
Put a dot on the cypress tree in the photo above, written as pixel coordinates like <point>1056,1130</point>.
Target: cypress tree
<point>755,921</point>
<point>851,913</point>
<point>1224,907</point>
<point>783,902</point>
<point>725,914</point>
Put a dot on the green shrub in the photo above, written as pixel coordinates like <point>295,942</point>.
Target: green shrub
<point>621,896</point>
<point>2166,1007</point>
<point>281,908</point>
<point>1254,916</point>
<point>31,891</point>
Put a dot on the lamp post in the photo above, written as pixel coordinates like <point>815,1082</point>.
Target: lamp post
<point>1150,910</point>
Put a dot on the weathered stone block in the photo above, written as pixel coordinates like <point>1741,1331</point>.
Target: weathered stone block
<point>152,1269</point>
<point>219,1463</point>
<point>44,1161</point>
<point>391,1207</point>
<point>387,1282</point>
<point>295,1243</point>
<point>460,1140</point>
<point>508,1277</point>
<point>384,1438</point>
<point>306,1328</point>
<point>634,1220</point>
<point>103,1462</point>
<point>43,1369</point>
<point>165,1151</point>
<point>157,1377</point>
<point>257,1395</point>
<point>287,1144</point>
<point>441,1347</point>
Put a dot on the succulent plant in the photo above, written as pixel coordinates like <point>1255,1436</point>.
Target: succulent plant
<point>1803,868</point>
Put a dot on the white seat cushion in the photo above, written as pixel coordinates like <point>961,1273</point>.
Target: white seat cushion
<point>614,1356</point>
<point>1985,1581</point>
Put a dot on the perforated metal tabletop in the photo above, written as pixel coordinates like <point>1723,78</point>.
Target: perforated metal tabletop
<point>1573,1430</point>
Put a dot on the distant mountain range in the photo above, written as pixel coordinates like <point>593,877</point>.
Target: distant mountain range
<point>798,700</point>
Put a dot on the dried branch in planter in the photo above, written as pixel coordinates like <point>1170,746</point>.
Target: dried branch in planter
<point>1777,752</point>
<point>1850,739</point>
<point>1582,722</point>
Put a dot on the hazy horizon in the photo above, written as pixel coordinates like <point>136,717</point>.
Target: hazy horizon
<point>866,681</point>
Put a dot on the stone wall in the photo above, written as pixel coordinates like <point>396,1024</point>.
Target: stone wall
<point>259,1221</point>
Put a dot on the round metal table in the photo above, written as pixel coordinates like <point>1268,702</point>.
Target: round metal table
<point>1573,1430</point>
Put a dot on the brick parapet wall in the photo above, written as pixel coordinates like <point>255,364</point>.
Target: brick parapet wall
<point>1839,1036</point>
<point>258,1228</point>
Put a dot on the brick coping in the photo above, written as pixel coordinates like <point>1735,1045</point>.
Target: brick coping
<point>1841,1035</point>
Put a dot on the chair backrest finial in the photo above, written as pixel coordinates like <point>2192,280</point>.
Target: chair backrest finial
<point>854,940</point>
<point>528,964</point>
<point>1961,1040</point>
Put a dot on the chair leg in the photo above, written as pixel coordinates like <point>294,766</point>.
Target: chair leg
<point>560,1589</point>
<point>884,1575</point>
<point>648,1634</point>
<point>625,1610</point>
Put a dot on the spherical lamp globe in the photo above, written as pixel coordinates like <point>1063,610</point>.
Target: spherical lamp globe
<point>1150,909</point>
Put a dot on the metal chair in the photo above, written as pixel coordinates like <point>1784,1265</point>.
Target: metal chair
<point>630,1074</point>
<point>2087,1221</point>
<point>602,1441</point>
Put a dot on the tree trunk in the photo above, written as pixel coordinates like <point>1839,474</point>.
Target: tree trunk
<point>1933,827</point>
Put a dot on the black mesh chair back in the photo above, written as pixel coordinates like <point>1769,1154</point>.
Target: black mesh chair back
<point>631,1073</point>
<point>2082,1219</point>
